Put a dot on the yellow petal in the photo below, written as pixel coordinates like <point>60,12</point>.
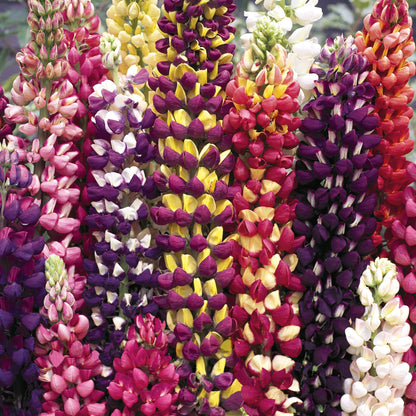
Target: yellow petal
<point>215,236</point>
<point>265,213</point>
<point>202,173</point>
<point>197,229</point>
<point>192,22</point>
<point>203,255</point>
<point>288,333</point>
<point>214,398</point>
<point>208,201</point>
<point>171,54</point>
<point>184,291</point>
<point>200,365</point>
<point>279,90</point>
<point>225,350</point>
<point>257,173</point>
<point>197,286</point>
<point>170,262</point>
<point>234,388</point>
<point>217,41</point>
<point>249,195</point>
<point>218,368</point>
<point>224,264</point>
<point>252,244</point>
<point>203,308</point>
<point>268,185</point>
<point>165,170</point>
<point>208,120</point>
<point>268,279</point>
<point>195,91</point>
<point>291,260</point>
<point>220,314</point>
<point>221,205</point>
<point>202,76</point>
<point>225,58</point>
<point>182,117</point>
<point>175,229</point>
<point>172,201</point>
<point>275,236</point>
<point>179,348</point>
<point>176,145</point>
<point>184,315</point>
<point>184,174</point>
<point>210,182</point>
<point>210,289</point>
<point>202,30</point>
<point>189,264</point>
<point>248,334</point>
<point>189,203</point>
<point>248,277</point>
<point>180,92</point>
<point>171,319</point>
<point>190,147</point>
<point>248,214</point>
<point>272,300</point>
<point>209,12</point>
<point>180,27</point>
<point>196,339</point>
<point>182,69</point>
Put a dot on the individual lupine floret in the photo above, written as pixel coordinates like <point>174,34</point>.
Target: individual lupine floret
<point>377,342</point>
<point>387,42</point>
<point>334,171</point>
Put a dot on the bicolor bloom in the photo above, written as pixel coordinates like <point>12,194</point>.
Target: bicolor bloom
<point>334,171</point>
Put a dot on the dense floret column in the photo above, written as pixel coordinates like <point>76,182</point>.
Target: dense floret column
<point>334,171</point>
<point>121,275</point>
<point>378,341</point>
<point>387,42</point>
<point>262,120</point>
<point>193,69</point>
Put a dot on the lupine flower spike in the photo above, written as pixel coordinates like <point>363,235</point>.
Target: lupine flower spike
<point>334,171</point>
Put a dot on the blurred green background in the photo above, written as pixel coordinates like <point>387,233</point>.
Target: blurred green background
<point>343,16</point>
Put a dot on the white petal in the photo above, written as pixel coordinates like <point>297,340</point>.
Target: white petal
<point>348,404</point>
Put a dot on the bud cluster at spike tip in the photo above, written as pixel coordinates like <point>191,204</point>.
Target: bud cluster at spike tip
<point>194,179</point>
<point>266,342</point>
<point>334,213</point>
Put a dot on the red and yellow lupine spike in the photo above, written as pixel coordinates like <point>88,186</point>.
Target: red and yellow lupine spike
<point>387,42</point>
<point>196,160</point>
<point>262,122</point>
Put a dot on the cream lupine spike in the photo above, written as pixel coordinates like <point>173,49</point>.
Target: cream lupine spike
<point>377,344</point>
<point>134,23</point>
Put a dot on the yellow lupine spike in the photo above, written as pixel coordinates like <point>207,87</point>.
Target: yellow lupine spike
<point>179,348</point>
<point>208,120</point>
<point>189,203</point>
<point>221,205</point>
<point>218,368</point>
<point>234,388</point>
<point>131,49</point>
<point>214,398</point>
<point>208,201</point>
<point>189,264</point>
<point>185,316</point>
<point>172,201</point>
<point>124,37</point>
<point>197,286</point>
<point>210,289</point>
<point>215,236</point>
<point>224,264</point>
<point>200,366</point>
<point>202,76</point>
<point>184,291</point>
<point>170,262</point>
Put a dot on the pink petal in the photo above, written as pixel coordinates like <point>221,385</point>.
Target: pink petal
<point>409,283</point>
<point>410,236</point>
<point>71,374</point>
<point>129,399</point>
<point>85,389</point>
<point>56,358</point>
<point>141,380</point>
<point>149,409</point>
<point>58,383</point>
<point>401,256</point>
<point>72,407</point>
<point>411,208</point>
<point>115,390</point>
